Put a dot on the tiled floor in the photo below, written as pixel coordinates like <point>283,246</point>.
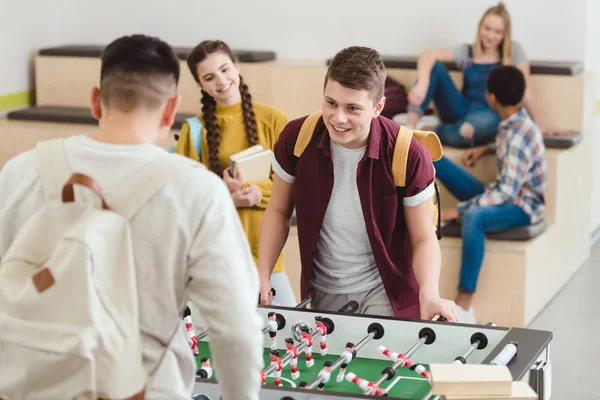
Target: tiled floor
<point>574,318</point>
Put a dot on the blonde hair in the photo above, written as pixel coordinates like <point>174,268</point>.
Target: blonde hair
<point>506,45</point>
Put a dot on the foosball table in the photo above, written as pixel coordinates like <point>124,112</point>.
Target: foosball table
<point>312,354</point>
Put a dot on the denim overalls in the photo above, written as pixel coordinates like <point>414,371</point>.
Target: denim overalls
<point>455,107</point>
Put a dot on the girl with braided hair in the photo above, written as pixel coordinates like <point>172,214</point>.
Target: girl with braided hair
<point>232,122</point>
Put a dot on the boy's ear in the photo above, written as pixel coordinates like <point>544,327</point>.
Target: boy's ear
<point>379,107</point>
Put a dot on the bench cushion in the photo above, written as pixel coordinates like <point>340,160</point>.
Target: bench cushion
<point>75,115</point>
<point>562,142</point>
<point>536,67</point>
<point>454,229</point>
<point>247,56</point>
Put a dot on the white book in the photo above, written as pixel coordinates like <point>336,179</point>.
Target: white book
<point>253,163</point>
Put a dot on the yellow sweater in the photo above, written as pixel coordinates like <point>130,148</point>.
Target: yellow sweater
<point>270,121</point>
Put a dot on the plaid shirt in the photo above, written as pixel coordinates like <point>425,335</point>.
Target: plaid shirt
<point>521,168</point>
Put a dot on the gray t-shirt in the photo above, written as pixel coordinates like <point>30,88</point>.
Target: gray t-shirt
<point>460,54</point>
<point>344,261</point>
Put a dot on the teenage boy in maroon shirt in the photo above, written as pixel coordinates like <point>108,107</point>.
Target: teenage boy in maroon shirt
<point>360,237</point>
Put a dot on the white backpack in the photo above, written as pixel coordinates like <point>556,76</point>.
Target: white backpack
<point>69,323</point>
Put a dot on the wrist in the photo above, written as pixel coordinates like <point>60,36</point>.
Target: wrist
<point>428,294</point>
<point>264,276</point>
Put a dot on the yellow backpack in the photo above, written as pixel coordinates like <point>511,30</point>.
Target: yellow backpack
<point>429,139</point>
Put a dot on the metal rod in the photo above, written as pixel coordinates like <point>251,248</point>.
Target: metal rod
<point>341,360</point>
<point>471,351</point>
<point>399,363</point>
<point>304,303</point>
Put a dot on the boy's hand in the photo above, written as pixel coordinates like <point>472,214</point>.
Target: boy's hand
<point>433,304</point>
<point>471,155</point>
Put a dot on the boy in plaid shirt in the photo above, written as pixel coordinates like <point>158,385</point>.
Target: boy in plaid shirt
<point>517,198</point>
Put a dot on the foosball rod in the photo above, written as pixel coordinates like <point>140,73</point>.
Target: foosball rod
<point>426,336</point>
<point>375,331</point>
<point>478,342</point>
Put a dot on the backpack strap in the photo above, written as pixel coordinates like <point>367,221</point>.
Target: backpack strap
<point>306,132</point>
<point>148,181</point>
<point>432,143</point>
<point>196,134</point>
<point>400,157</point>
<point>52,167</point>
<point>429,139</point>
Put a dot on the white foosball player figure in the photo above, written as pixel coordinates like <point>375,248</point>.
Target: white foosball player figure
<point>348,354</point>
<point>272,324</point>
<point>205,370</point>
<point>364,384</point>
<point>325,374</point>
<point>323,339</point>
<point>275,360</point>
<point>293,350</point>
<point>308,339</point>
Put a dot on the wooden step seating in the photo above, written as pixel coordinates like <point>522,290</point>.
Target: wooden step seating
<point>64,75</point>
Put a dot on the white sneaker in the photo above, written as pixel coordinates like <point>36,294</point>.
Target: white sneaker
<point>425,120</point>
<point>465,316</point>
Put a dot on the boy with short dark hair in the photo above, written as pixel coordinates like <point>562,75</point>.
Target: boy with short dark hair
<point>187,240</point>
<point>517,198</point>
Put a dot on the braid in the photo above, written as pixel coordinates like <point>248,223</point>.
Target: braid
<point>213,131</point>
<point>249,116</point>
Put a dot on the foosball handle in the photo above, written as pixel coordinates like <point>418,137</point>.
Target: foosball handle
<point>438,317</point>
<point>349,308</point>
<point>506,355</point>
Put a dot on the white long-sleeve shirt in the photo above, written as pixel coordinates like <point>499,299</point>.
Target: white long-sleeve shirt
<point>188,244</point>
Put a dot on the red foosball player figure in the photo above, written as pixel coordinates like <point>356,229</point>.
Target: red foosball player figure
<point>263,377</point>
<point>325,374</point>
<point>365,384</point>
<point>275,360</point>
<point>323,328</point>
<point>308,339</point>
<point>419,369</point>
<point>205,370</point>
<point>348,354</point>
<point>272,324</point>
<point>191,335</point>
<point>293,350</point>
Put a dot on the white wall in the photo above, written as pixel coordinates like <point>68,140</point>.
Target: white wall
<point>316,29</point>
<point>25,26</point>
<point>592,62</point>
<point>310,29</point>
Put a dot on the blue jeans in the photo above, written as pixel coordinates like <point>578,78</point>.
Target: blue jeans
<point>477,221</point>
<point>455,109</point>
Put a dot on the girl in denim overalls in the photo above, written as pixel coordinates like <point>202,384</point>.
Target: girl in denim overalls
<point>466,118</point>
